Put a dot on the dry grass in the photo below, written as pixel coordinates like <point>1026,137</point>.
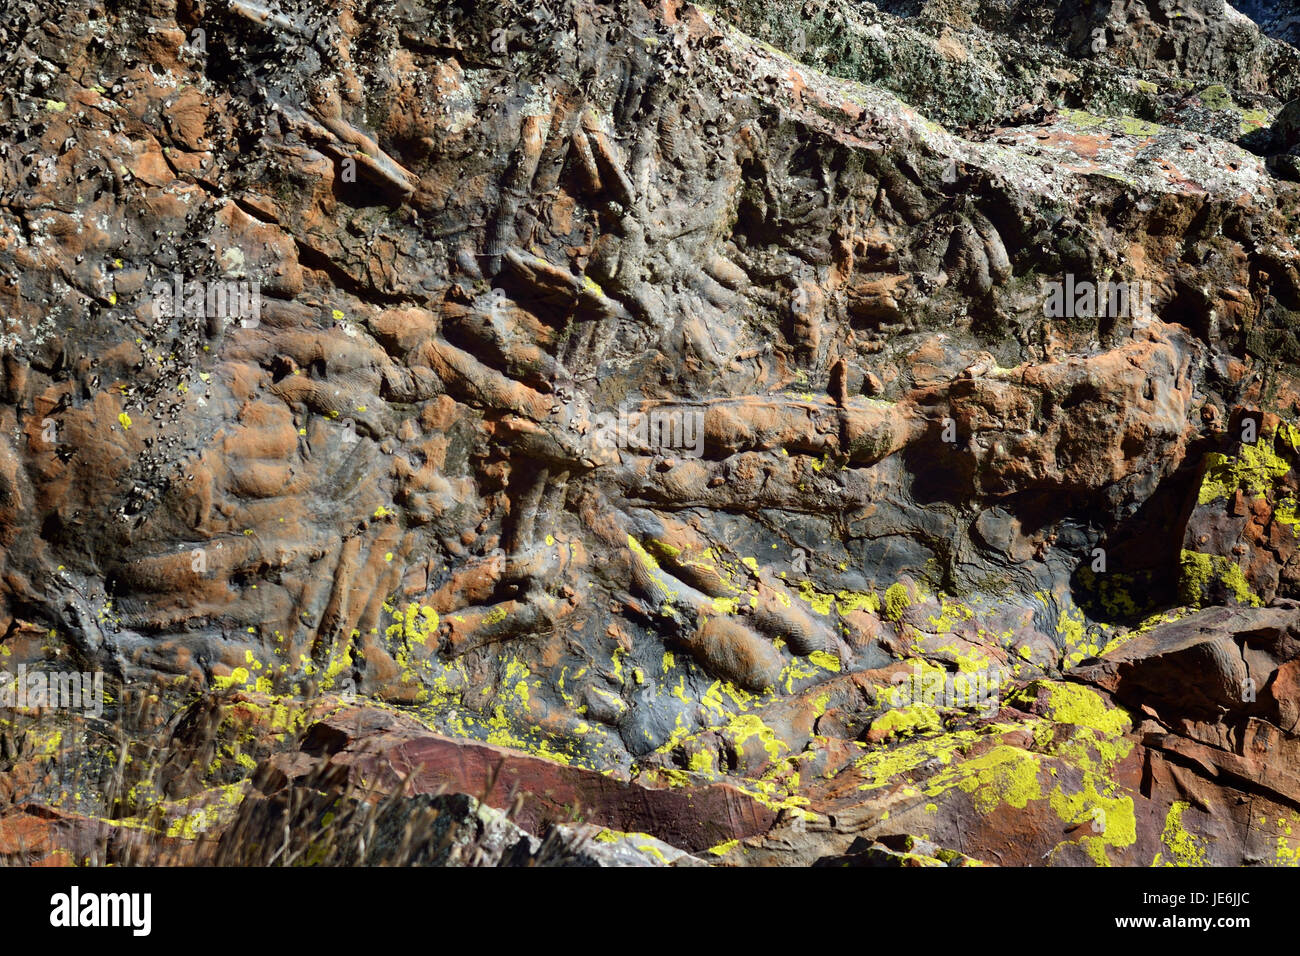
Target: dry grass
<point>125,791</point>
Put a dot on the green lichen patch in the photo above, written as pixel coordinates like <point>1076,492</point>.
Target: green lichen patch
<point>1106,821</point>
<point>1128,125</point>
<point>886,765</point>
<point>1181,847</point>
<point>897,600</point>
<point>1078,706</point>
<point>1255,471</point>
<point>905,721</point>
<point>1004,774</point>
<point>1213,579</point>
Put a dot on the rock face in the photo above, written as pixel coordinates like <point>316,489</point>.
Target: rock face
<point>648,433</point>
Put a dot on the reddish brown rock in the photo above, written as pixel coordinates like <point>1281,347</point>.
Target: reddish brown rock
<point>377,751</point>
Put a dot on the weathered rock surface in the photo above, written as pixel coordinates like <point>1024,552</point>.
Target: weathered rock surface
<point>652,412</point>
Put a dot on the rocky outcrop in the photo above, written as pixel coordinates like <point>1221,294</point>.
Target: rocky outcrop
<point>788,432</point>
